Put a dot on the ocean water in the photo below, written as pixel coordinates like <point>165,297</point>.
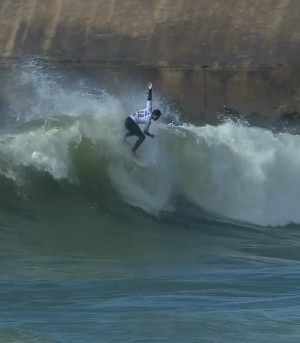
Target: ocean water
<point>201,245</point>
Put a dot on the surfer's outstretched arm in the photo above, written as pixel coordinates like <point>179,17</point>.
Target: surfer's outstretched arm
<point>149,98</point>
<point>149,110</point>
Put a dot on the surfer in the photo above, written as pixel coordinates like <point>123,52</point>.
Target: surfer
<point>144,116</point>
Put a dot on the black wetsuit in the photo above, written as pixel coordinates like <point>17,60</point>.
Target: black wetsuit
<point>143,116</point>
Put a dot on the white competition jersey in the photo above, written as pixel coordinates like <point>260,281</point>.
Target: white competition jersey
<point>143,116</point>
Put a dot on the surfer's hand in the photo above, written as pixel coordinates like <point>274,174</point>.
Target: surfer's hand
<point>149,85</point>
<point>149,134</point>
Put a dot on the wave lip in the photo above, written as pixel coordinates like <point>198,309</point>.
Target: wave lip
<point>243,173</point>
<point>246,174</point>
<point>75,135</point>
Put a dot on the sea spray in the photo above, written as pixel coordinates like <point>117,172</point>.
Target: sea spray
<point>75,134</point>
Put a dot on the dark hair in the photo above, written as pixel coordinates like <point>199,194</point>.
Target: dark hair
<point>157,113</point>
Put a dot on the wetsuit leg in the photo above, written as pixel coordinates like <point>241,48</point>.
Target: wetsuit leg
<point>138,142</point>
<point>134,130</point>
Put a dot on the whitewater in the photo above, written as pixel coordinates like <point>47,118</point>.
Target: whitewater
<point>232,171</point>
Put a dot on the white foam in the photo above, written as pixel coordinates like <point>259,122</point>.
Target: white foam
<point>45,150</point>
<point>235,171</point>
<point>242,173</point>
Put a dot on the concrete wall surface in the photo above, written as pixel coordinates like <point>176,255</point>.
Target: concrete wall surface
<point>206,53</point>
<point>184,33</point>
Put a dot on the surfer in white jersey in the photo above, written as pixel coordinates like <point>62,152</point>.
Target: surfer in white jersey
<point>144,116</point>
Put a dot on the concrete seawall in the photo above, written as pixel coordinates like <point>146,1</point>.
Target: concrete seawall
<point>242,53</point>
<point>158,32</point>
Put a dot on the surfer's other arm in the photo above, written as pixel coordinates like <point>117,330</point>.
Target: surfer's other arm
<point>146,130</point>
<point>149,134</point>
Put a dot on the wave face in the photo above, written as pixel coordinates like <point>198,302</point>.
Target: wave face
<point>74,135</point>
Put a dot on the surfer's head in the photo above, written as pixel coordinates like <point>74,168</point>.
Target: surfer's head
<point>156,114</point>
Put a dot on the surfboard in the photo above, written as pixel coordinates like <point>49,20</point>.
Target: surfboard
<point>139,162</point>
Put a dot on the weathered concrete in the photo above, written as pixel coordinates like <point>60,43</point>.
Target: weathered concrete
<point>240,53</point>
<point>185,33</point>
<point>203,92</point>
